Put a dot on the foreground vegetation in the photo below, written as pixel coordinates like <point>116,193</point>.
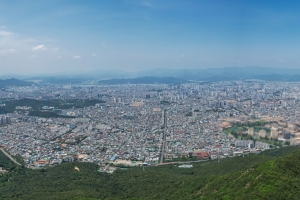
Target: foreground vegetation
<point>231,178</point>
<point>275,179</point>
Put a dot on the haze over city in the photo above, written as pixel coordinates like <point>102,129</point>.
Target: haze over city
<point>41,37</point>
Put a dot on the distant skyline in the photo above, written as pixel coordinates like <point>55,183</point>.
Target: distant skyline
<point>58,36</point>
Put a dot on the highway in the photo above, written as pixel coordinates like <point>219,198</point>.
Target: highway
<point>180,162</point>
<point>163,148</point>
<point>164,138</point>
<point>9,156</point>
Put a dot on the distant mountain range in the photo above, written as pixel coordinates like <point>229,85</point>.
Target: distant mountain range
<point>59,79</point>
<point>13,82</point>
<point>144,80</point>
<point>228,74</point>
<point>209,75</point>
<point>166,76</point>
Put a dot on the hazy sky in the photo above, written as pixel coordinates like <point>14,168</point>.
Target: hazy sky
<point>48,36</point>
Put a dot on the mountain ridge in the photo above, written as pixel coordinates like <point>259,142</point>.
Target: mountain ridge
<point>145,80</point>
<point>182,76</point>
<point>14,82</point>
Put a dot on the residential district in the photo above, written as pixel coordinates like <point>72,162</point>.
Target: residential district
<point>152,124</point>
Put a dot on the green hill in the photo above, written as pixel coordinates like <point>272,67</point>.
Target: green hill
<point>238,177</point>
<point>38,104</point>
<point>275,179</point>
<point>13,82</point>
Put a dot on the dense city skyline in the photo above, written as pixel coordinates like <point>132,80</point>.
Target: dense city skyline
<point>149,123</point>
<point>63,36</point>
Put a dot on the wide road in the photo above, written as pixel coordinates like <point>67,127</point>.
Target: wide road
<point>163,147</point>
<point>164,138</point>
<point>11,158</point>
<point>181,162</point>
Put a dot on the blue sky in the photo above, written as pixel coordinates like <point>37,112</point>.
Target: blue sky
<point>58,36</point>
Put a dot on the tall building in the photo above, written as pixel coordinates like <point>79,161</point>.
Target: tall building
<point>3,121</point>
<point>262,145</point>
<point>274,132</point>
<point>262,133</point>
<point>251,131</point>
<point>243,143</point>
<point>39,121</point>
<point>7,119</point>
<point>286,134</point>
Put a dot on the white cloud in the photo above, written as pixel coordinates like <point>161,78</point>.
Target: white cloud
<point>94,54</point>
<point>76,57</point>
<point>39,47</point>
<point>7,51</point>
<point>5,33</point>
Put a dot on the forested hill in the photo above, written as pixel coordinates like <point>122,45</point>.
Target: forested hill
<point>275,179</point>
<point>262,176</point>
<point>13,82</point>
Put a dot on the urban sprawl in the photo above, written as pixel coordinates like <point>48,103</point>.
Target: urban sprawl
<point>151,124</point>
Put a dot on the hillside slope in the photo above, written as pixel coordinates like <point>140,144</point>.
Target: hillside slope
<point>275,179</point>
<point>165,182</point>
